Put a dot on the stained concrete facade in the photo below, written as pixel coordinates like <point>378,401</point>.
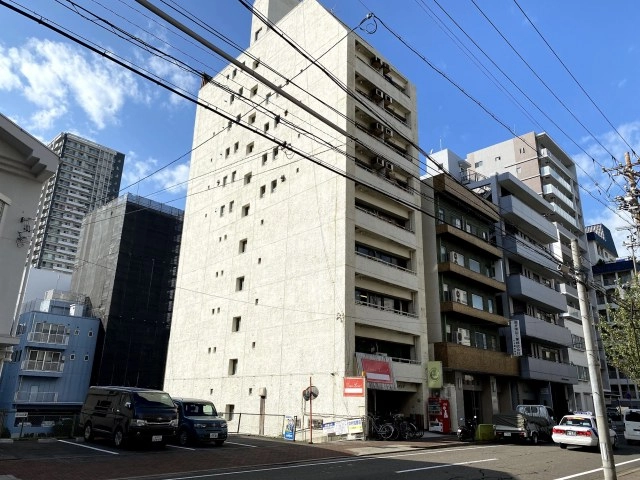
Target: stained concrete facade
<point>291,272</point>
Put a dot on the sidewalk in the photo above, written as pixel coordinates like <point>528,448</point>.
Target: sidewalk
<point>429,440</point>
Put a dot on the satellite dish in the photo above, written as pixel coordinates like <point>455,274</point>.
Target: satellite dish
<point>310,392</point>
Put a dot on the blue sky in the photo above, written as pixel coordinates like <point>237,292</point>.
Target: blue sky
<point>49,84</point>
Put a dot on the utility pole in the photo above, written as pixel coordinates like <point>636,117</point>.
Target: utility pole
<point>593,360</point>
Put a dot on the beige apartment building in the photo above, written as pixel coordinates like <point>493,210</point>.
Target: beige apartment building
<point>301,255</point>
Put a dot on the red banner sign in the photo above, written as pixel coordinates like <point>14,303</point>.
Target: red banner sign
<point>354,386</point>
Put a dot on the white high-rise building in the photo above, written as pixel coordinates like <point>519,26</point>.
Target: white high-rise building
<point>88,177</point>
<point>289,272</point>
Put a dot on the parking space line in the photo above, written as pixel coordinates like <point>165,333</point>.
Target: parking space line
<point>242,444</point>
<point>447,465</point>
<point>87,446</point>
<point>580,474</point>
<point>181,447</point>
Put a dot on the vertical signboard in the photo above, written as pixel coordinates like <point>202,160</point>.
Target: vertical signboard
<point>516,340</point>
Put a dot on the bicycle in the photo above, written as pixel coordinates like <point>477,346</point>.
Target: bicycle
<point>383,431</point>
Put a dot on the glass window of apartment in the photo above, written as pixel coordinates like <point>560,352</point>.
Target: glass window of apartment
<point>252,119</point>
<point>266,127</point>
<point>254,91</point>
<point>243,245</point>
<point>231,206</point>
<point>247,178</point>
<point>275,153</point>
<point>227,152</point>
<point>240,90</point>
<point>233,176</point>
<point>236,146</point>
<point>235,324</point>
<point>256,35</point>
<point>222,211</point>
<point>224,180</point>
<point>256,62</point>
<point>264,158</point>
<point>232,98</point>
<point>481,340</point>
<point>477,301</point>
<point>474,265</point>
<point>245,210</point>
<point>274,185</point>
<point>263,190</point>
<point>250,148</point>
<point>239,284</point>
<point>490,305</point>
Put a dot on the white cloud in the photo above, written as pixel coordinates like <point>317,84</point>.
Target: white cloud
<point>170,179</point>
<point>54,76</point>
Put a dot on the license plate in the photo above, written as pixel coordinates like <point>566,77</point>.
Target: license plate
<point>156,438</point>
<point>571,433</point>
<point>213,435</point>
<point>507,434</point>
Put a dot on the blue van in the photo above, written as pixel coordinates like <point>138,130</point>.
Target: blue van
<point>198,422</point>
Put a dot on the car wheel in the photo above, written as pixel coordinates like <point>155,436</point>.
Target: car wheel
<point>183,437</point>
<point>88,432</point>
<point>118,438</point>
<point>219,443</point>
<point>563,446</point>
<point>534,438</point>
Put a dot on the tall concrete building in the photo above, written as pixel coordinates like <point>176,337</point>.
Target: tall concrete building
<point>611,273</point>
<point>542,165</point>
<point>88,176</point>
<point>291,272</point>
<point>25,165</point>
<point>127,265</point>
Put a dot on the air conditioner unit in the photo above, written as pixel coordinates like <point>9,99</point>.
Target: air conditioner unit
<point>377,128</point>
<point>389,166</point>
<point>388,100</point>
<point>459,296</point>
<point>463,337</point>
<point>485,236</point>
<point>376,62</point>
<point>456,257</point>
<point>388,132</point>
<point>377,94</point>
<point>385,67</point>
<point>378,163</point>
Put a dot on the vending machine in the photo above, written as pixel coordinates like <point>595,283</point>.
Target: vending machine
<point>439,415</point>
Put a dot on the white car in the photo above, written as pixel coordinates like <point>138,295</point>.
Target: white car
<point>580,429</point>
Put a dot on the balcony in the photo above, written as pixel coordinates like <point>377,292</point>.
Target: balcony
<point>371,222</point>
<point>474,313</point>
<point>377,316</point>
<point>549,158</point>
<point>471,275</point>
<point>539,369</point>
<point>48,338</point>
<point>381,69</point>
<point>35,397</point>
<point>41,369</point>
<point>572,314</point>
<point>475,360</point>
<point>446,229</point>
<point>383,184</point>
<point>528,220</point>
<point>386,272</point>
<point>562,216</point>
<point>535,328</point>
<point>548,172</point>
<point>569,290</point>
<point>539,294</point>
<point>552,193</point>
<point>534,256</point>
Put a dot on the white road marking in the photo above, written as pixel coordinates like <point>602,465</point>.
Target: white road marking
<point>242,444</point>
<point>575,475</point>
<point>447,465</point>
<point>87,446</point>
<point>180,447</point>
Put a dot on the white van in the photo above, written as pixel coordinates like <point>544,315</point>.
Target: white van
<point>632,426</point>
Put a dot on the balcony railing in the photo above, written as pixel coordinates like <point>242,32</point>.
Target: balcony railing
<point>388,180</point>
<point>380,307</point>
<point>386,77</point>
<point>55,338</point>
<point>374,214</point>
<point>36,397</point>
<point>390,265</point>
<point>390,145</point>
<point>36,366</point>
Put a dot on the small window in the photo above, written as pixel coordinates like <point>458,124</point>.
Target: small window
<point>250,148</point>
<point>86,358</point>
<point>264,158</point>
<point>222,211</point>
<point>224,180</point>
<point>497,159</point>
<point>263,190</point>
<point>229,125</point>
<point>233,176</point>
<point>245,210</point>
<point>274,185</point>
<point>233,366</point>
<point>233,74</point>
<point>236,146</point>
<point>228,411</point>
<point>232,98</point>
<point>252,119</point>
<point>256,62</point>
<point>90,333</point>
<point>247,178</point>
<point>254,91</point>
<point>239,284</point>
<point>238,118</point>
<point>267,98</point>
<point>479,164</point>
<point>72,356</point>
<point>231,206</point>
<point>243,245</point>
<point>240,90</point>
<point>257,35</point>
<point>275,153</point>
<point>276,121</point>
<point>235,324</point>
<point>266,127</point>
<point>227,152</point>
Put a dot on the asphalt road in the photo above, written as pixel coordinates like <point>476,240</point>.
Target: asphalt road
<point>255,458</point>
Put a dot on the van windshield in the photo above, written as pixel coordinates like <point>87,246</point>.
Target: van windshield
<point>200,410</point>
<point>153,399</point>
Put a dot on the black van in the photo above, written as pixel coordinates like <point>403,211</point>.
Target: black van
<point>129,414</point>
